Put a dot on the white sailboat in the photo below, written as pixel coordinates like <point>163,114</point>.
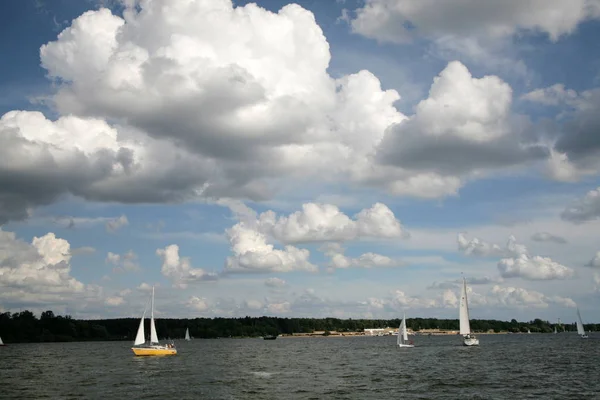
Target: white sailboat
<point>402,340</point>
<point>1,342</point>
<point>187,334</point>
<point>154,348</point>
<point>555,332</point>
<point>580,330</point>
<point>465,327</point>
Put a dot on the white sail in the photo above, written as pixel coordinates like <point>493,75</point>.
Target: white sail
<point>153,335</point>
<point>404,332</point>
<point>580,330</point>
<point>1,342</point>
<point>400,339</point>
<point>465,327</point>
<point>140,338</point>
<point>187,334</point>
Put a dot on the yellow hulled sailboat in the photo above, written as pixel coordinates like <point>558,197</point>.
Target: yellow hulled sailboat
<point>154,348</point>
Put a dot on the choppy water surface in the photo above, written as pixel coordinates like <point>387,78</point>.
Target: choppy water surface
<point>503,367</point>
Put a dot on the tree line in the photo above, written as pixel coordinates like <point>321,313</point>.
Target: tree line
<point>26,327</point>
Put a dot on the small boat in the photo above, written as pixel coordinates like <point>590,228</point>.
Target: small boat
<point>187,334</point>
<point>402,340</point>
<point>1,342</point>
<point>555,332</point>
<point>270,337</point>
<point>154,348</point>
<point>580,330</point>
<point>465,327</point>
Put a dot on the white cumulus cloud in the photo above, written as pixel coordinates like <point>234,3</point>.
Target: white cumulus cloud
<point>179,270</point>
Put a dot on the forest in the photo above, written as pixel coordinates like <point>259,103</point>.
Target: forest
<point>24,326</point>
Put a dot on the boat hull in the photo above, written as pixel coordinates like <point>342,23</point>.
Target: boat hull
<point>406,345</point>
<point>149,351</point>
<point>471,341</point>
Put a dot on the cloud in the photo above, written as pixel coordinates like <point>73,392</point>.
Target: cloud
<point>198,304</point>
<point>252,253</point>
<point>596,282</point>
<point>84,250</point>
<point>179,107</point>
<point>223,109</point>
<point>584,209</point>
<point>461,130</point>
<point>114,301</point>
<point>179,270</point>
<point>516,261</point>
<point>115,224</point>
<point>338,260</point>
<point>145,287</point>
<point>278,308</point>
<point>574,133</point>
<point>478,247</point>
<point>547,237</point>
<point>325,222</point>
<point>533,268</point>
<point>521,298</point>
<point>38,273</point>
<point>399,21</point>
<point>275,282</point>
<point>595,261</point>
<point>553,95</point>
<point>127,262</point>
<point>456,283</point>
<point>315,223</point>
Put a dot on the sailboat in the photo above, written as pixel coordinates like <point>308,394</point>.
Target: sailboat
<point>555,332</point>
<point>187,334</point>
<point>580,330</point>
<point>154,348</point>
<point>1,342</point>
<point>402,340</point>
<point>465,327</point>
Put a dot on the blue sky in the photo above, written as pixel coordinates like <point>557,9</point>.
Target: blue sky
<point>314,161</point>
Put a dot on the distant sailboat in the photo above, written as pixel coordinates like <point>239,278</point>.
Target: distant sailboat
<point>1,342</point>
<point>555,332</point>
<point>154,348</point>
<point>402,340</point>
<point>465,327</point>
<point>187,334</point>
<point>580,330</point>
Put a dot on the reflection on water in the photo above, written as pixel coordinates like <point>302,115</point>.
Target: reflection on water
<point>503,367</point>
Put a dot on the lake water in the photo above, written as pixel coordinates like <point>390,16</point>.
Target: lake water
<point>504,367</point>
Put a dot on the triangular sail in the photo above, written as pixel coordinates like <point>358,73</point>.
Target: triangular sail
<point>580,329</point>
<point>465,327</point>
<point>140,338</point>
<point>1,342</point>
<point>153,335</point>
<point>400,339</point>
<point>187,334</point>
<point>404,332</point>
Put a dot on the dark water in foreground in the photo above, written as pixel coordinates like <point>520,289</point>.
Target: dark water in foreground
<point>504,367</point>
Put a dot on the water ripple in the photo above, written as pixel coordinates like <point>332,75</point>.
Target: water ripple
<point>504,366</point>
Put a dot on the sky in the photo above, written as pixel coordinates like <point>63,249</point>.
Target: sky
<point>350,159</point>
